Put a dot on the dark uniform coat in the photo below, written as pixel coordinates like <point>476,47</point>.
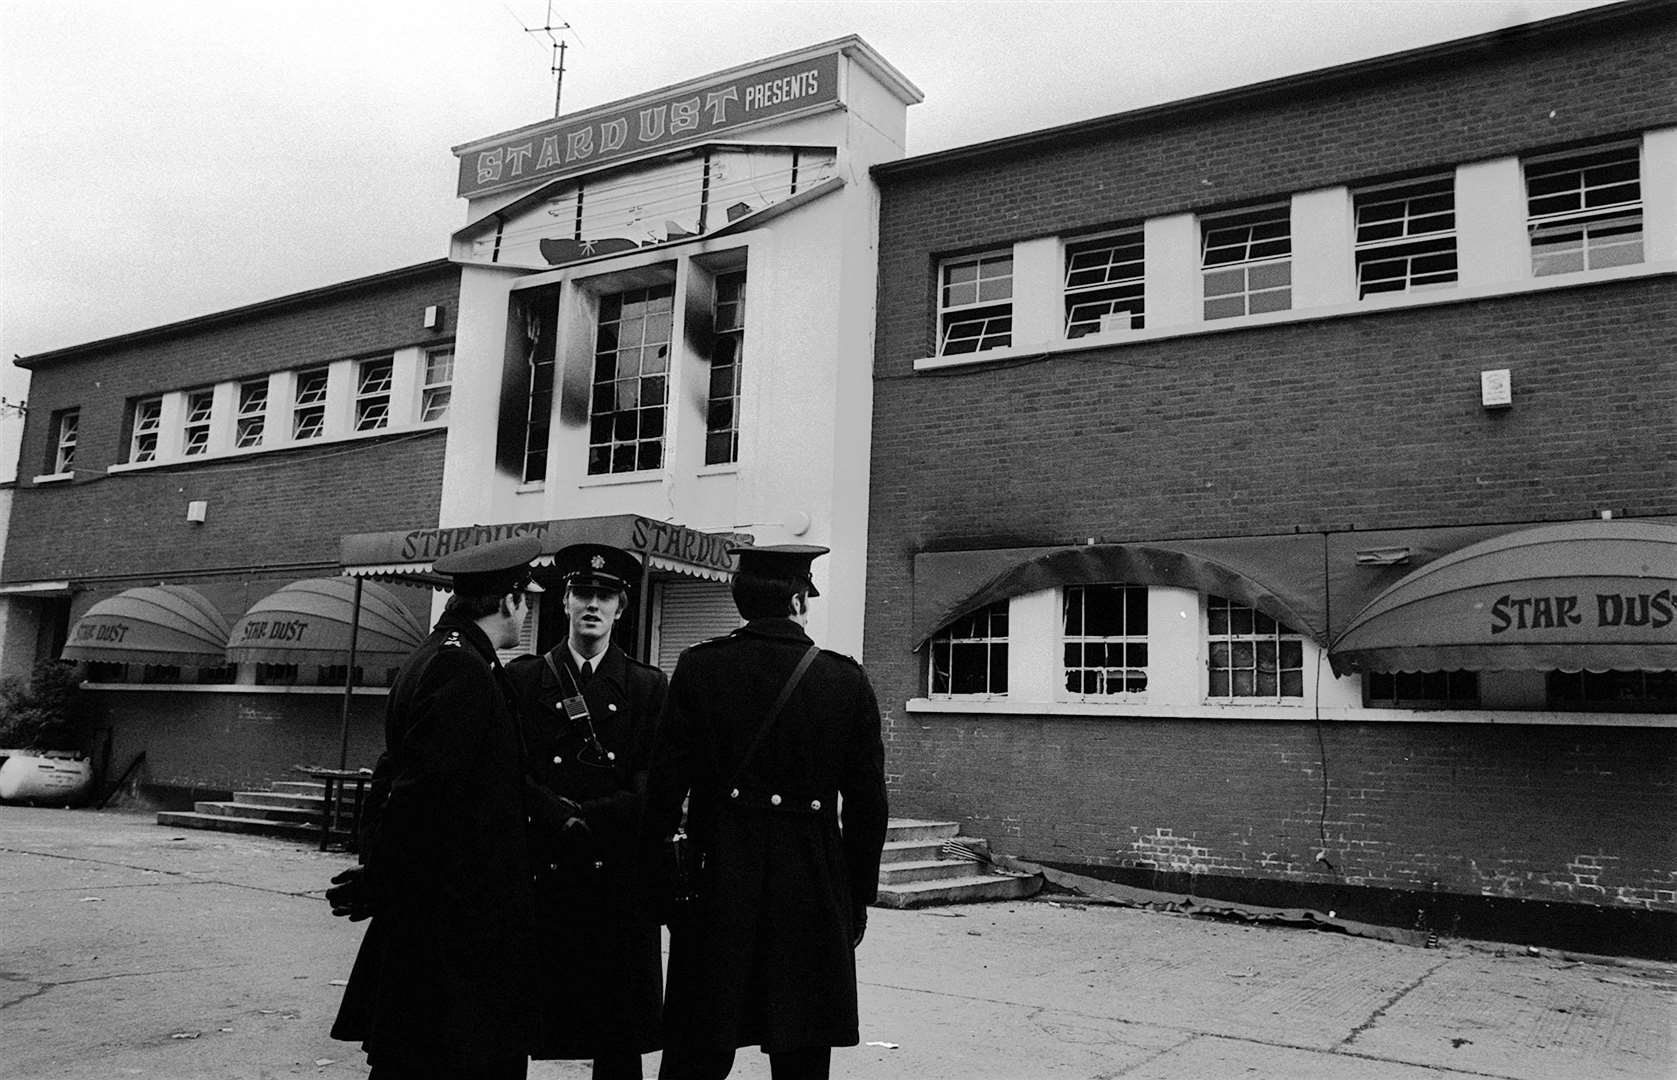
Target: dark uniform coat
<point>443,975</point>
<point>766,958</point>
<point>600,979</point>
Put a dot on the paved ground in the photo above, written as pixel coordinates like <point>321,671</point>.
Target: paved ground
<point>132,950</point>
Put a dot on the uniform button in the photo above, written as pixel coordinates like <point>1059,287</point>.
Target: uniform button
<point>734,794</point>
<point>612,707</point>
<point>610,756</point>
<point>598,864</point>
<point>557,760</point>
<point>553,866</point>
<point>815,804</point>
<point>774,800</point>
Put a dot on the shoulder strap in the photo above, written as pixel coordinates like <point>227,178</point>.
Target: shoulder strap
<point>792,682</point>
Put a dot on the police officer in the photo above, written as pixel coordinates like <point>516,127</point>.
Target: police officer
<point>440,985</point>
<point>588,710</point>
<point>767,957</point>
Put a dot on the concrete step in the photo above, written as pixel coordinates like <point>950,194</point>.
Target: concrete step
<point>257,811</point>
<point>969,889</point>
<point>900,829</point>
<point>184,819</point>
<point>298,787</point>
<point>910,850</point>
<point>907,873</point>
<point>290,800</point>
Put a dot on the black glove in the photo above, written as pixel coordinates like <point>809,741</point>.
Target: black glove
<point>352,894</point>
<point>858,927</point>
<point>555,814</point>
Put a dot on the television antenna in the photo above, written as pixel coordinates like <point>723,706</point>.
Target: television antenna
<point>557,44</point>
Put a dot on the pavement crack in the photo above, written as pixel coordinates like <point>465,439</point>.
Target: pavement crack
<point>1380,1011</point>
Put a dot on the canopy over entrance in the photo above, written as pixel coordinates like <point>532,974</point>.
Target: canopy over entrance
<point>1595,595</point>
<point>310,622</point>
<point>665,545</point>
<point>157,624</point>
<point>1280,576</point>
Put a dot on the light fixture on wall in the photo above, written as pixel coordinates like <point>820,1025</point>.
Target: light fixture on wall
<point>197,510</point>
<point>433,317</point>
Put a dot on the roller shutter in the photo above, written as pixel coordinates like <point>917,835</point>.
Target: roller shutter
<point>691,611</point>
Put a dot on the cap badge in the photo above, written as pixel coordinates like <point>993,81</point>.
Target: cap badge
<point>598,562</point>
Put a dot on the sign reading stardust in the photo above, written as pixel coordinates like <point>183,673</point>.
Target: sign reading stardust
<point>689,113</point>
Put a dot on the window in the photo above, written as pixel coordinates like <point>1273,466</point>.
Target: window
<point>253,413</point>
<point>437,386</point>
<point>64,427</point>
<point>722,429</point>
<point>1106,639</point>
<point>1247,262</point>
<point>372,394</point>
<point>195,437</point>
<point>975,305</point>
<point>1252,655</point>
<point>1104,285</point>
<point>1422,689</point>
<point>540,330</point>
<point>148,417</point>
<point>631,376</point>
<point>308,417</point>
<point>970,655</point>
<point>1613,691</point>
<point>1406,236</point>
<point>1584,210</point>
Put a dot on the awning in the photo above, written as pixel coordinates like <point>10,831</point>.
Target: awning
<point>1595,595</point>
<point>158,624</point>
<point>665,545</point>
<point>309,621</point>
<point>1280,576</point>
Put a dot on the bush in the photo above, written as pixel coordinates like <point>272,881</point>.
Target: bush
<point>44,713</point>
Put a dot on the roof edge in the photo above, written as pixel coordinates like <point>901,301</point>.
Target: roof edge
<point>216,318</point>
<point>1628,13</point>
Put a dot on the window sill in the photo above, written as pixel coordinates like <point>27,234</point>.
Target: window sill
<point>530,487</point>
<point>52,478</point>
<point>1379,304</point>
<point>1270,710</point>
<point>240,453</point>
<point>622,479</point>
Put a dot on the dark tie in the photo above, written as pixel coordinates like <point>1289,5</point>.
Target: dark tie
<point>583,674</point>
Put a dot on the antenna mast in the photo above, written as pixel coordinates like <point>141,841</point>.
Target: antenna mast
<point>558,45</point>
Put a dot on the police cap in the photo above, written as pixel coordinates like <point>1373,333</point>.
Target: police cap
<point>781,562</point>
<point>497,568</point>
<point>597,566</point>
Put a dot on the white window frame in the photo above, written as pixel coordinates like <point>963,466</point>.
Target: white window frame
<point>1403,226</point>
<point>1277,638</point>
<point>1597,209</point>
<point>984,631</point>
<point>436,391</point>
<point>66,427</point>
<point>309,403</point>
<point>623,415</point>
<point>251,414</point>
<point>372,393</point>
<point>729,320</point>
<point>147,428</point>
<point>1105,283</point>
<point>1243,247</point>
<point>982,302</point>
<point>199,408</point>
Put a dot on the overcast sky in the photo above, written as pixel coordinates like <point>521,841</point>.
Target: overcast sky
<point>161,159</point>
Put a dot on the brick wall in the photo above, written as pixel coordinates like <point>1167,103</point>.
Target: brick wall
<point>379,316</point>
<point>1349,423</point>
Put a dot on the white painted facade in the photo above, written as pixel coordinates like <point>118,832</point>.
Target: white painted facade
<point>805,397</point>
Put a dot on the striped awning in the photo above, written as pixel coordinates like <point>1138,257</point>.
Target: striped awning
<point>170,625</point>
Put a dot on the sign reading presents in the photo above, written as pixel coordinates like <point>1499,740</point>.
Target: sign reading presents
<point>690,113</point>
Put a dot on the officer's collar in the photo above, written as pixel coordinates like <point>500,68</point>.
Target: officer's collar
<point>779,628</point>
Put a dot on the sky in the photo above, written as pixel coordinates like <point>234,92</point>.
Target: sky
<point>163,159</point>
